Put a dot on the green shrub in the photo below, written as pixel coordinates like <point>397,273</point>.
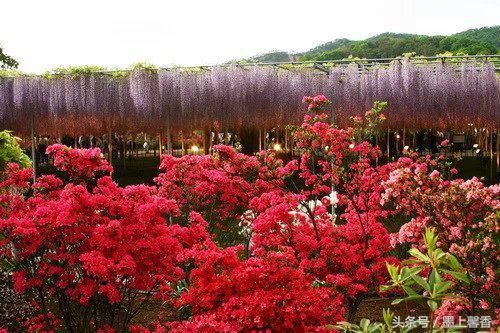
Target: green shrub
<point>11,152</point>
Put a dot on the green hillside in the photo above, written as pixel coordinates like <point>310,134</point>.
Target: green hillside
<point>388,45</point>
<point>486,34</point>
<point>278,56</point>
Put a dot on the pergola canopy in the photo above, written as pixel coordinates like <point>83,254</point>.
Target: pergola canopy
<point>444,95</point>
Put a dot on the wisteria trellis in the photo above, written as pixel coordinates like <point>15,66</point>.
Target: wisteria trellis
<point>426,96</point>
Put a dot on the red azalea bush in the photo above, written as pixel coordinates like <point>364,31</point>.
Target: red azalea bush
<point>334,225</point>
<point>230,242</point>
<point>88,258</point>
<point>258,294</point>
<point>348,257</point>
<point>230,293</point>
<point>80,165</point>
<point>218,186</point>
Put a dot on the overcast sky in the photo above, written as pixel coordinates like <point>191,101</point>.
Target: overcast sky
<point>46,34</point>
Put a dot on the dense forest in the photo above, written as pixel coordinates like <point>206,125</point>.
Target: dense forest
<point>387,45</point>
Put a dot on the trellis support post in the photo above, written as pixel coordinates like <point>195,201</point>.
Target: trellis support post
<point>169,140</point>
<point>33,143</point>
<point>182,143</point>
<point>498,152</point>
<point>388,145</point>
<point>160,143</point>
<point>110,148</point>
<point>491,153</point>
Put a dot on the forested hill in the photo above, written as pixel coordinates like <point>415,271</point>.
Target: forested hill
<point>387,45</point>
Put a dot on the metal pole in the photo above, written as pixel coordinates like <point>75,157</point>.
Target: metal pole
<point>33,149</point>
<point>169,140</point>
<point>491,154</point>
<point>110,148</point>
<point>388,147</point>
<point>498,151</point>
<point>160,144</point>
<point>260,139</point>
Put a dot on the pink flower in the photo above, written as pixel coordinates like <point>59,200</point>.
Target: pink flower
<point>434,174</point>
<point>484,305</point>
<point>320,99</point>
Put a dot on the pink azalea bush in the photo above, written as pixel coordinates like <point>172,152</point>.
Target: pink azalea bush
<point>463,212</point>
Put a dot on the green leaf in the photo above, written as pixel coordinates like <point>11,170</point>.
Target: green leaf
<point>409,291</point>
<point>454,263</point>
<point>407,272</point>
<point>419,255</point>
<point>433,279</point>
<point>388,316</point>
<point>393,271</point>
<point>442,286</point>
<point>458,275</point>
<point>364,323</point>
<point>432,304</point>
<point>430,239</point>
<point>438,253</point>
<point>384,288</point>
<point>406,299</point>
<point>420,280</point>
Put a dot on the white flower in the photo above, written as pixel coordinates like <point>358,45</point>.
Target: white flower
<point>313,204</point>
<point>334,200</point>
<point>304,209</point>
<point>246,220</point>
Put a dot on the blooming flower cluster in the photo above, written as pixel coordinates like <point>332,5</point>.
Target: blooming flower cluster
<point>339,238</point>
<point>219,186</point>
<point>230,242</point>
<point>315,103</point>
<point>80,164</point>
<point>464,212</point>
<point>92,254</point>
